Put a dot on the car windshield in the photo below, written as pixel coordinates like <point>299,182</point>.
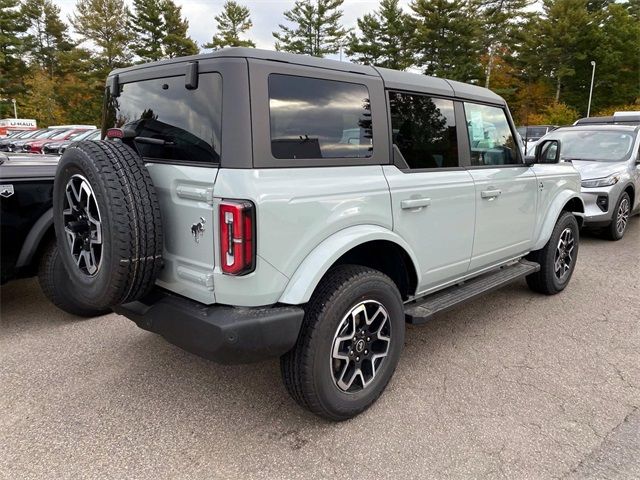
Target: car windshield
<point>83,135</point>
<point>536,132</point>
<point>595,145</point>
<point>59,136</point>
<point>33,134</point>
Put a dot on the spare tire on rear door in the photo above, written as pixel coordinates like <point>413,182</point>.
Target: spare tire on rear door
<point>107,220</point>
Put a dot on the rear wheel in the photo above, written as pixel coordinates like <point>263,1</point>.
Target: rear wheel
<point>618,226</point>
<point>349,344</point>
<point>558,257</point>
<point>57,287</point>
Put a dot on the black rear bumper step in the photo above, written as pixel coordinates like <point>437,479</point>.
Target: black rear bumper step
<point>420,311</point>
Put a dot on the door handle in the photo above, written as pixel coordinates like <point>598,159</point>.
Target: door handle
<point>415,203</point>
<point>490,194</point>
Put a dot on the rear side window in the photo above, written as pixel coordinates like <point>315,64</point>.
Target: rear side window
<point>490,136</point>
<point>424,130</point>
<point>189,121</point>
<point>314,118</point>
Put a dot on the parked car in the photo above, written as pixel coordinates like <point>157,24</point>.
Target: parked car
<point>608,159</point>
<point>532,133</point>
<point>618,118</point>
<point>5,142</point>
<point>36,145</point>
<point>337,201</point>
<point>17,145</point>
<point>58,147</point>
<point>26,230</point>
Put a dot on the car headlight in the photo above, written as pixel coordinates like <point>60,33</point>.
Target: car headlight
<point>601,182</point>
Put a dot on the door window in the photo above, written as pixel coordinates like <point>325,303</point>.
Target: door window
<point>424,130</point>
<point>315,118</point>
<point>490,137</point>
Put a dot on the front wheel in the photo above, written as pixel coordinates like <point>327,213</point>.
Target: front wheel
<point>620,220</point>
<point>349,344</point>
<point>558,257</point>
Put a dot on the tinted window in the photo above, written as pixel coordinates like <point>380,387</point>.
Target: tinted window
<point>424,130</point>
<point>314,118</point>
<point>490,137</point>
<point>189,121</point>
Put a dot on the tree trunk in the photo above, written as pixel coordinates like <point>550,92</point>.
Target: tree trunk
<point>558,85</point>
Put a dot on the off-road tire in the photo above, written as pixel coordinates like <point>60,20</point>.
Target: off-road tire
<point>611,231</point>
<point>130,217</point>
<point>55,284</point>
<point>306,368</point>
<point>545,280</point>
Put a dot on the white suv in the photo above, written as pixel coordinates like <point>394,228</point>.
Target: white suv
<point>258,204</point>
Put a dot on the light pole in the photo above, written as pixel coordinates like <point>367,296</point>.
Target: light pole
<point>593,74</point>
<point>15,109</point>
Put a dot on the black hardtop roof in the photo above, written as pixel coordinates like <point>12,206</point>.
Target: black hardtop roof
<point>393,79</point>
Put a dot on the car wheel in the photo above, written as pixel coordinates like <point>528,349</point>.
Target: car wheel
<point>349,344</point>
<point>55,283</point>
<point>618,226</point>
<point>107,221</point>
<point>558,258</point>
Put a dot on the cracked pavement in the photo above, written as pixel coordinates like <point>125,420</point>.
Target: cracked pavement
<point>514,385</point>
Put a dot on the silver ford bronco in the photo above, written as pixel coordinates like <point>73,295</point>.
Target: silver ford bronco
<point>247,204</point>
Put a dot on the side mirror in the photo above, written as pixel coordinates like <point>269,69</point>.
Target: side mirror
<point>548,152</point>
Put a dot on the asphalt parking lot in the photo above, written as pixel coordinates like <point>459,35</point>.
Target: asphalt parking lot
<point>515,385</point>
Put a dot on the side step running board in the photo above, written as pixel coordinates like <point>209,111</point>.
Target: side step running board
<point>421,310</point>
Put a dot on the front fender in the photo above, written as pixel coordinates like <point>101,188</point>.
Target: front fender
<point>315,265</point>
<point>558,204</point>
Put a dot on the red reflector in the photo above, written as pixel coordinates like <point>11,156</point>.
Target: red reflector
<point>115,133</point>
<point>237,247</point>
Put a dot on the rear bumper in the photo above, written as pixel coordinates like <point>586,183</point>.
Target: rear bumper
<point>220,333</point>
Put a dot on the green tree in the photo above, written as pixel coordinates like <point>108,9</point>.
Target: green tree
<point>12,66</point>
<point>447,39</point>
<point>501,20</point>
<point>147,28</point>
<point>47,34</point>
<point>176,42</point>
<point>234,21</point>
<point>104,22</point>
<point>558,41</point>
<point>384,38</point>
<point>316,28</point>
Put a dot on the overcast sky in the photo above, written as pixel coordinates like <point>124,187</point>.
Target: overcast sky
<point>266,15</point>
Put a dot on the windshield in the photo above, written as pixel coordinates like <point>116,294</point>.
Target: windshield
<point>59,136</point>
<point>595,145</point>
<point>83,135</point>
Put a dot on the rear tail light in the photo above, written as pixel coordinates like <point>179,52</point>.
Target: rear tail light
<point>115,133</point>
<point>237,237</point>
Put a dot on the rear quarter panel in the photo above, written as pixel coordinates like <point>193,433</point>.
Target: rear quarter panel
<point>296,210</point>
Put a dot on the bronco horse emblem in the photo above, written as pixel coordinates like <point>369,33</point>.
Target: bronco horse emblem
<point>197,229</point>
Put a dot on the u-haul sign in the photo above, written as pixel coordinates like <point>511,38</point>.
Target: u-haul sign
<point>18,123</point>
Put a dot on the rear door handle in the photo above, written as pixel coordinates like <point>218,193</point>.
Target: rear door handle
<point>490,194</point>
<point>415,203</point>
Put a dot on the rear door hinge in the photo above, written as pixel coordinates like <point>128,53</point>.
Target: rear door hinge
<point>193,192</point>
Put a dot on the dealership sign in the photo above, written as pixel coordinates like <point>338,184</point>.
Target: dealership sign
<point>18,123</point>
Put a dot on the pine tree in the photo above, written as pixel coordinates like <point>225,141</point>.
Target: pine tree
<point>234,20</point>
<point>558,42</point>
<point>501,20</point>
<point>384,39</point>
<point>176,42</point>
<point>317,30</point>
<point>47,33</point>
<point>104,22</point>
<point>147,28</point>
<point>447,39</point>
<point>12,66</point>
